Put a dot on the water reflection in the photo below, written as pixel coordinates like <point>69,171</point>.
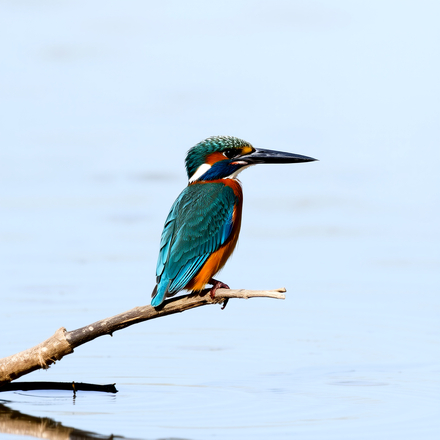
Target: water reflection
<point>16,423</point>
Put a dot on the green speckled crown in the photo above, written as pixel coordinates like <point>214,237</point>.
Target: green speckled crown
<point>197,155</point>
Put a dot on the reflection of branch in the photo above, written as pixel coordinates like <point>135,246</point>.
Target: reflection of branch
<point>14,422</point>
<point>63,342</point>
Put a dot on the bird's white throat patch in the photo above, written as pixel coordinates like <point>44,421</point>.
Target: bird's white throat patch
<point>236,173</point>
<point>200,171</point>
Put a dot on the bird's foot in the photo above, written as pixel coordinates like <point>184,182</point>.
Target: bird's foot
<point>216,285</point>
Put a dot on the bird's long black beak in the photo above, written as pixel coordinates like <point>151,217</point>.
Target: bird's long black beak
<point>261,155</point>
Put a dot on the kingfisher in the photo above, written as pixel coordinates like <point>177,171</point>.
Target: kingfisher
<point>202,227</point>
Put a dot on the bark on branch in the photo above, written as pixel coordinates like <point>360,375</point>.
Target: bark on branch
<point>63,342</point>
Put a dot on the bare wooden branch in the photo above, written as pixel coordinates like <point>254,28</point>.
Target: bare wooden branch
<point>63,342</point>
<point>40,356</point>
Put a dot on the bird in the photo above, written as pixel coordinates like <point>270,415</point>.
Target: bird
<point>203,225</point>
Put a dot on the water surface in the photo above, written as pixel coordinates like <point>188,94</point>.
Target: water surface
<point>99,104</point>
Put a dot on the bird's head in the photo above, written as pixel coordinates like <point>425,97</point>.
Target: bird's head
<point>220,157</point>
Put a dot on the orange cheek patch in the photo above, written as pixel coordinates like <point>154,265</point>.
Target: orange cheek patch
<point>214,157</point>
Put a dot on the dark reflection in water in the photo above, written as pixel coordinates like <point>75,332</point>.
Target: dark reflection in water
<point>17,423</point>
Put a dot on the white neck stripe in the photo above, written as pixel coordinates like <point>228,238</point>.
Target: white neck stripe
<point>200,171</point>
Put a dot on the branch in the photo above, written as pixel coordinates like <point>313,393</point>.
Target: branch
<point>63,342</point>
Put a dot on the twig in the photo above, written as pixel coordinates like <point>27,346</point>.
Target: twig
<point>66,386</point>
<point>63,342</point>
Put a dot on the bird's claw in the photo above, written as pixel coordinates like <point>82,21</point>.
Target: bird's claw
<point>216,285</point>
<point>225,304</point>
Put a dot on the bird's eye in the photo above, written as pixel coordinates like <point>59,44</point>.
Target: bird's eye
<point>230,153</point>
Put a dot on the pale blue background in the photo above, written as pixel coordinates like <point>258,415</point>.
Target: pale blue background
<point>99,102</point>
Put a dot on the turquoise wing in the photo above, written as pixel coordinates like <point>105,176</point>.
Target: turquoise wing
<point>199,222</point>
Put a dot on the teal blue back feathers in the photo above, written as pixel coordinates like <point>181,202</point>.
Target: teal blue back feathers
<point>199,222</point>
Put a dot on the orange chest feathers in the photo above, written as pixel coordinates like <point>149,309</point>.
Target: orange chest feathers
<point>219,258</point>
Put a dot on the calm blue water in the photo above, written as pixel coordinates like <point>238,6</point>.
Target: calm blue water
<point>99,103</point>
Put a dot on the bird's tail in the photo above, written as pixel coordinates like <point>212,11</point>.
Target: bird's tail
<point>159,293</point>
